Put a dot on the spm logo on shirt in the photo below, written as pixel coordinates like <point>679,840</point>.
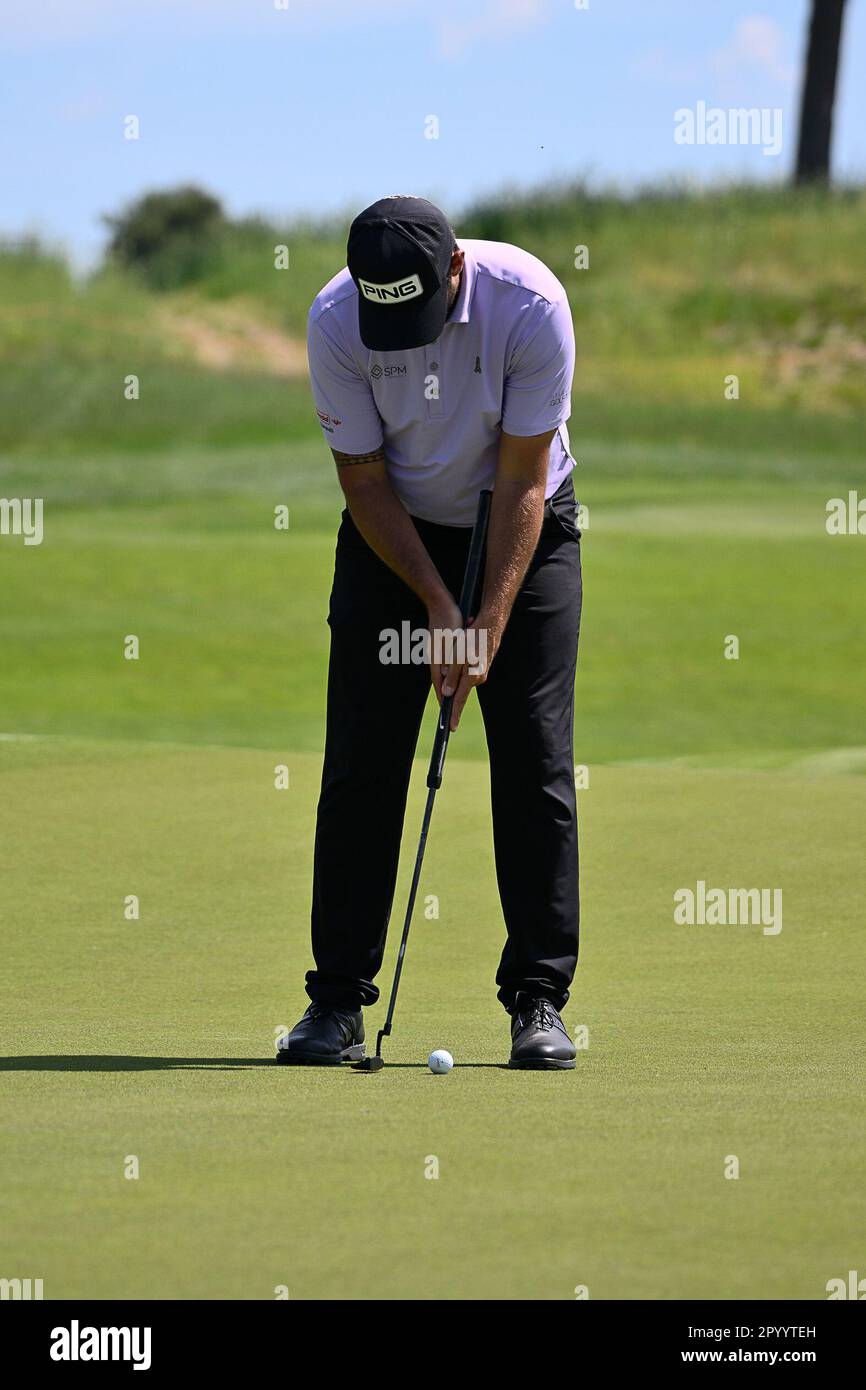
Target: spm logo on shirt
<point>376,371</point>
<point>394,293</point>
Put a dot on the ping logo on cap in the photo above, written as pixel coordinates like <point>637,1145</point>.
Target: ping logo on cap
<point>395,293</point>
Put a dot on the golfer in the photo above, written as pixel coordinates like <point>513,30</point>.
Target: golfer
<point>440,368</point>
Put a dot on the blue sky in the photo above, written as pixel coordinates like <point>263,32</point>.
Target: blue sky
<point>321,106</point>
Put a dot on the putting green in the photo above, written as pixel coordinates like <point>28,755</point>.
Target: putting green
<point>153,1038</point>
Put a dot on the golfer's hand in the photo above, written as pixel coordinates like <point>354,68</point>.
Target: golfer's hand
<point>463,680</point>
<point>443,616</point>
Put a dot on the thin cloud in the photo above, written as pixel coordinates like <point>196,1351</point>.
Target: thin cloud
<point>758,54</point>
<point>460,31</point>
<point>758,48</point>
<point>63,21</point>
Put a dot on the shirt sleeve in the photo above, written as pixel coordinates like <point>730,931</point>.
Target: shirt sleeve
<point>537,394</point>
<point>344,399</point>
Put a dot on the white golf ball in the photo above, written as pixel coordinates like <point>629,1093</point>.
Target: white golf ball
<point>440,1061</point>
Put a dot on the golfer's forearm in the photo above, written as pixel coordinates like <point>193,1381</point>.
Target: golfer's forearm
<point>389,530</point>
<point>516,515</point>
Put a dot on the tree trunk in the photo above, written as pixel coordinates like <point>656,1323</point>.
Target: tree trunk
<point>819,91</point>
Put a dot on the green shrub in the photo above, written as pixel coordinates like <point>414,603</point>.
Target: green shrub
<point>171,238</point>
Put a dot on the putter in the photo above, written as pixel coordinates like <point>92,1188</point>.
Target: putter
<point>468,602</point>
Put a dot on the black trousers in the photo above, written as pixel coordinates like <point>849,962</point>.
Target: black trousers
<point>374,715</point>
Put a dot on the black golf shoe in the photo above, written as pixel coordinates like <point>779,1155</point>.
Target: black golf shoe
<point>324,1037</point>
<point>539,1041</point>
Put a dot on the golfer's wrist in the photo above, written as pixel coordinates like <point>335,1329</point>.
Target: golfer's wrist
<point>437,599</point>
<point>491,617</point>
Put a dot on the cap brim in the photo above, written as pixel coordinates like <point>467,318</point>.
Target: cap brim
<point>396,328</point>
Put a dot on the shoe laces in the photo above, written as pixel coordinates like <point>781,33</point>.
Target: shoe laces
<point>540,1013</point>
<point>544,1012</point>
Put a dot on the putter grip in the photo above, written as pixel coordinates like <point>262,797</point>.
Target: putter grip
<point>469,596</point>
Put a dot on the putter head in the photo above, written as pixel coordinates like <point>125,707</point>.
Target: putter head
<point>375,1063</point>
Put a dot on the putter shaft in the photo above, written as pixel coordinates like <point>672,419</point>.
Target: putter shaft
<point>468,606</point>
<point>413,892</point>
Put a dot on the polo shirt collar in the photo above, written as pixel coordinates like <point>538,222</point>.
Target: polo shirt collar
<point>463,302</point>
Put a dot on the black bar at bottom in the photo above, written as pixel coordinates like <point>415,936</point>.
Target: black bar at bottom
<point>223,1337</point>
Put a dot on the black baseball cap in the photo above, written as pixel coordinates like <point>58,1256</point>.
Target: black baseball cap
<point>399,255</point>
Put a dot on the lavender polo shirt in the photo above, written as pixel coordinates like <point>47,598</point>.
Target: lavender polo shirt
<point>504,361</point>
